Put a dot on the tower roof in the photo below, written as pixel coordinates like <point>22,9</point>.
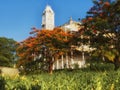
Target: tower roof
<point>71,25</point>
<point>48,9</point>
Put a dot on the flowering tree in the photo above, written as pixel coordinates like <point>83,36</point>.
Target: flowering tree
<point>102,25</point>
<point>44,46</point>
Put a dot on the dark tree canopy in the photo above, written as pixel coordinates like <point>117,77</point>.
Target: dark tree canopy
<point>7,51</point>
<point>102,25</point>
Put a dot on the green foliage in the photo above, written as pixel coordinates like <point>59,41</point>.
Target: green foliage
<point>110,55</point>
<point>65,80</point>
<point>76,66</point>
<point>7,51</point>
<point>20,86</point>
<point>2,83</point>
<point>35,87</point>
<point>102,27</point>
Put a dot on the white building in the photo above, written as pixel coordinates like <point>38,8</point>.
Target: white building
<point>48,18</point>
<point>74,57</point>
<point>71,25</point>
<point>69,59</point>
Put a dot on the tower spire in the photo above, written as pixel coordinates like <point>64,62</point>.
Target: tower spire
<point>48,2</point>
<point>48,18</point>
<point>70,21</point>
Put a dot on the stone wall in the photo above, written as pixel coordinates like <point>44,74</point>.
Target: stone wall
<point>9,71</point>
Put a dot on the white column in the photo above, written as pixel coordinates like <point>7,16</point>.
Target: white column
<point>62,63</point>
<point>66,60</point>
<point>72,60</point>
<point>83,59</point>
<point>53,66</point>
<point>83,56</point>
<point>57,64</point>
<point>53,63</point>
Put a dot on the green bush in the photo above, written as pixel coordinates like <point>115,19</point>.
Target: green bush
<point>20,86</point>
<point>2,83</point>
<point>35,87</point>
<point>65,80</point>
<point>76,66</point>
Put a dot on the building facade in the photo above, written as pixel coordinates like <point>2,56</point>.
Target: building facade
<point>71,25</point>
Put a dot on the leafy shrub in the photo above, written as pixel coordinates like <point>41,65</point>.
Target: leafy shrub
<point>35,87</point>
<point>20,86</point>
<point>76,66</point>
<point>67,80</point>
<point>2,83</point>
<point>0,71</point>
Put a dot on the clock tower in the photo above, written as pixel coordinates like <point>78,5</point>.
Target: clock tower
<point>48,18</point>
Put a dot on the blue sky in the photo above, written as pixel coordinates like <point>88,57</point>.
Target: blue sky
<point>17,17</point>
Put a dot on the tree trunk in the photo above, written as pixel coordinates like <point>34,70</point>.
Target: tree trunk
<point>50,67</point>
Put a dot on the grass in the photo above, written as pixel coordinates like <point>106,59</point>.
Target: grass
<point>92,78</point>
<point>65,80</point>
